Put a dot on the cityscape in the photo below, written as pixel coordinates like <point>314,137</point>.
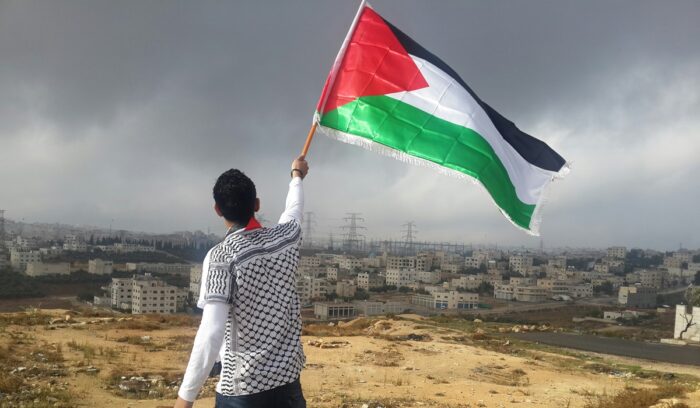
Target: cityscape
<point>349,204</point>
<point>614,293</point>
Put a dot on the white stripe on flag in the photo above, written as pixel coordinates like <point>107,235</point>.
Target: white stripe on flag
<point>446,99</point>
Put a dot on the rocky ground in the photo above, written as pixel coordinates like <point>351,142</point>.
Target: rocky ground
<point>85,358</point>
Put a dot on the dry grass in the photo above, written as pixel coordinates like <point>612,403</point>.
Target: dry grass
<point>357,327</point>
<point>638,397</point>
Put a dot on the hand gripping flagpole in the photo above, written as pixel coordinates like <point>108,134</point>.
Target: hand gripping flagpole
<point>331,79</point>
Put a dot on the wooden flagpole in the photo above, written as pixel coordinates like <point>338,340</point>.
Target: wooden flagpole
<point>309,137</point>
<point>338,58</point>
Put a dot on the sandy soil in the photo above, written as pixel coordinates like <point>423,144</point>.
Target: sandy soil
<point>438,368</point>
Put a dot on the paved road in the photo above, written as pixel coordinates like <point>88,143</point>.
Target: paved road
<point>689,355</point>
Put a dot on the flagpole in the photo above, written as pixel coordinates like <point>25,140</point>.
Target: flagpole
<point>309,137</point>
<point>336,63</point>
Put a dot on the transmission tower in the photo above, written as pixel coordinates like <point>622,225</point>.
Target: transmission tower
<point>309,223</point>
<point>408,236</point>
<point>354,241</point>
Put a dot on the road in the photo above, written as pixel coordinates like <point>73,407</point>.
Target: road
<point>688,355</point>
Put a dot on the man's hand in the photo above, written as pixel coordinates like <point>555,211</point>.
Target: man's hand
<point>300,167</point>
<point>181,403</point>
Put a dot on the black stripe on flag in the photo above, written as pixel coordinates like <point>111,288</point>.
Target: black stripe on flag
<point>531,149</point>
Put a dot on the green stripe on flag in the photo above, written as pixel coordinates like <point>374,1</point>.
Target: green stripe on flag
<point>403,127</point>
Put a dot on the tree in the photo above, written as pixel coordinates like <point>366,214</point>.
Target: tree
<point>605,287</point>
<point>485,288</point>
<point>692,296</point>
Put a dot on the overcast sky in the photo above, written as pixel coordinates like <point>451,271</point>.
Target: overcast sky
<point>129,110</point>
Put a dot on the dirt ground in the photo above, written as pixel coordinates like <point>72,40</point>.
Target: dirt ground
<point>408,362</point>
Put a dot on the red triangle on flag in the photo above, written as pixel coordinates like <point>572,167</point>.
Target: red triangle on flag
<point>374,63</point>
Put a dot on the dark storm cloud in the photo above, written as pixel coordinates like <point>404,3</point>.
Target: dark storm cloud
<point>129,110</point>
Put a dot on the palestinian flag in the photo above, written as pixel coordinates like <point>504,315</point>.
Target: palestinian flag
<point>388,94</point>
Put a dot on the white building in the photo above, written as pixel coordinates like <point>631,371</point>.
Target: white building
<point>370,308</point>
<point>472,262</point>
<point>41,269</point>
<point>503,291</point>
<point>126,248</point>
<point>100,267</point>
<point>447,300</point>
<point>428,277</point>
<point>618,252</point>
<point>310,288</point>
<point>400,262</point>
<point>151,295</point>
<point>530,294</point>
<point>520,263</point>
<point>74,243</point>
<point>401,277</point>
<point>469,282</point>
<point>366,280</point>
<point>195,280</point>
<point>350,263</point>
<point>121,293</point>
<point>159,267</point>
<point>345,289</point>
<point>325,311</point>
<point>19,258</point>
<point>687,323</point>
<point>309,261</point>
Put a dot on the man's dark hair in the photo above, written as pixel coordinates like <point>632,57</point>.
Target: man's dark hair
<point>235,195</point>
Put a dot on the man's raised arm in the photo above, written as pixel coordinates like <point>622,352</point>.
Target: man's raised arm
<point>294,208</point>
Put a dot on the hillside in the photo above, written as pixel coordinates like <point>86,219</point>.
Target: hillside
<point>60,358</point>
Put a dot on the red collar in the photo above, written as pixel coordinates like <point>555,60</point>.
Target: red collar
<point>253,224</point>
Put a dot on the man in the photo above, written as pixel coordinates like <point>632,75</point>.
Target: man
<point>251,316</point>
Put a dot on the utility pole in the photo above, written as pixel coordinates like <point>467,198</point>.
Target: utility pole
<point>353,240</point>
<point>408,236</point>
<point>308,228</point>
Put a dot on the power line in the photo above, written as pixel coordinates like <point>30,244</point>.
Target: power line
<point>309,223</point>
<point>354,241</point>
<point>408,236</point>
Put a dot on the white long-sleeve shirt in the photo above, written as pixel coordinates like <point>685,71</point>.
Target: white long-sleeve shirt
<point>251,316</point>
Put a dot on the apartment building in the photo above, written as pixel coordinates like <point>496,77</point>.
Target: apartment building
<point>530,294</point>
<point>310,288</point>
<point>100,267</point>
<point>400,262</point>
<point>472,262</point>
<point>151,295</point>
<point>520,263</point>
<point>618,252</point>
<point>401,277</point>
<point>447,300</point>
<point>195,280</point>
<point>637,296</point>
<point>345,289</point>
<point>120,289</point>
<point>504,291</point>
<point>428,277</point>
<point>350,263</point>
<point>19,258</point>
<point>366,280</point>
<point>469,282</point>
<point>159,267</point>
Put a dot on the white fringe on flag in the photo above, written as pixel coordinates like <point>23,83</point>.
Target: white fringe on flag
<point>372,146</point>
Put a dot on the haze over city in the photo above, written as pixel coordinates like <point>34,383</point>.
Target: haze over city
<point>127,115</point>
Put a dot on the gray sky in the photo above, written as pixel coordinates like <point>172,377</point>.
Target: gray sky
<point>129,111</point>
